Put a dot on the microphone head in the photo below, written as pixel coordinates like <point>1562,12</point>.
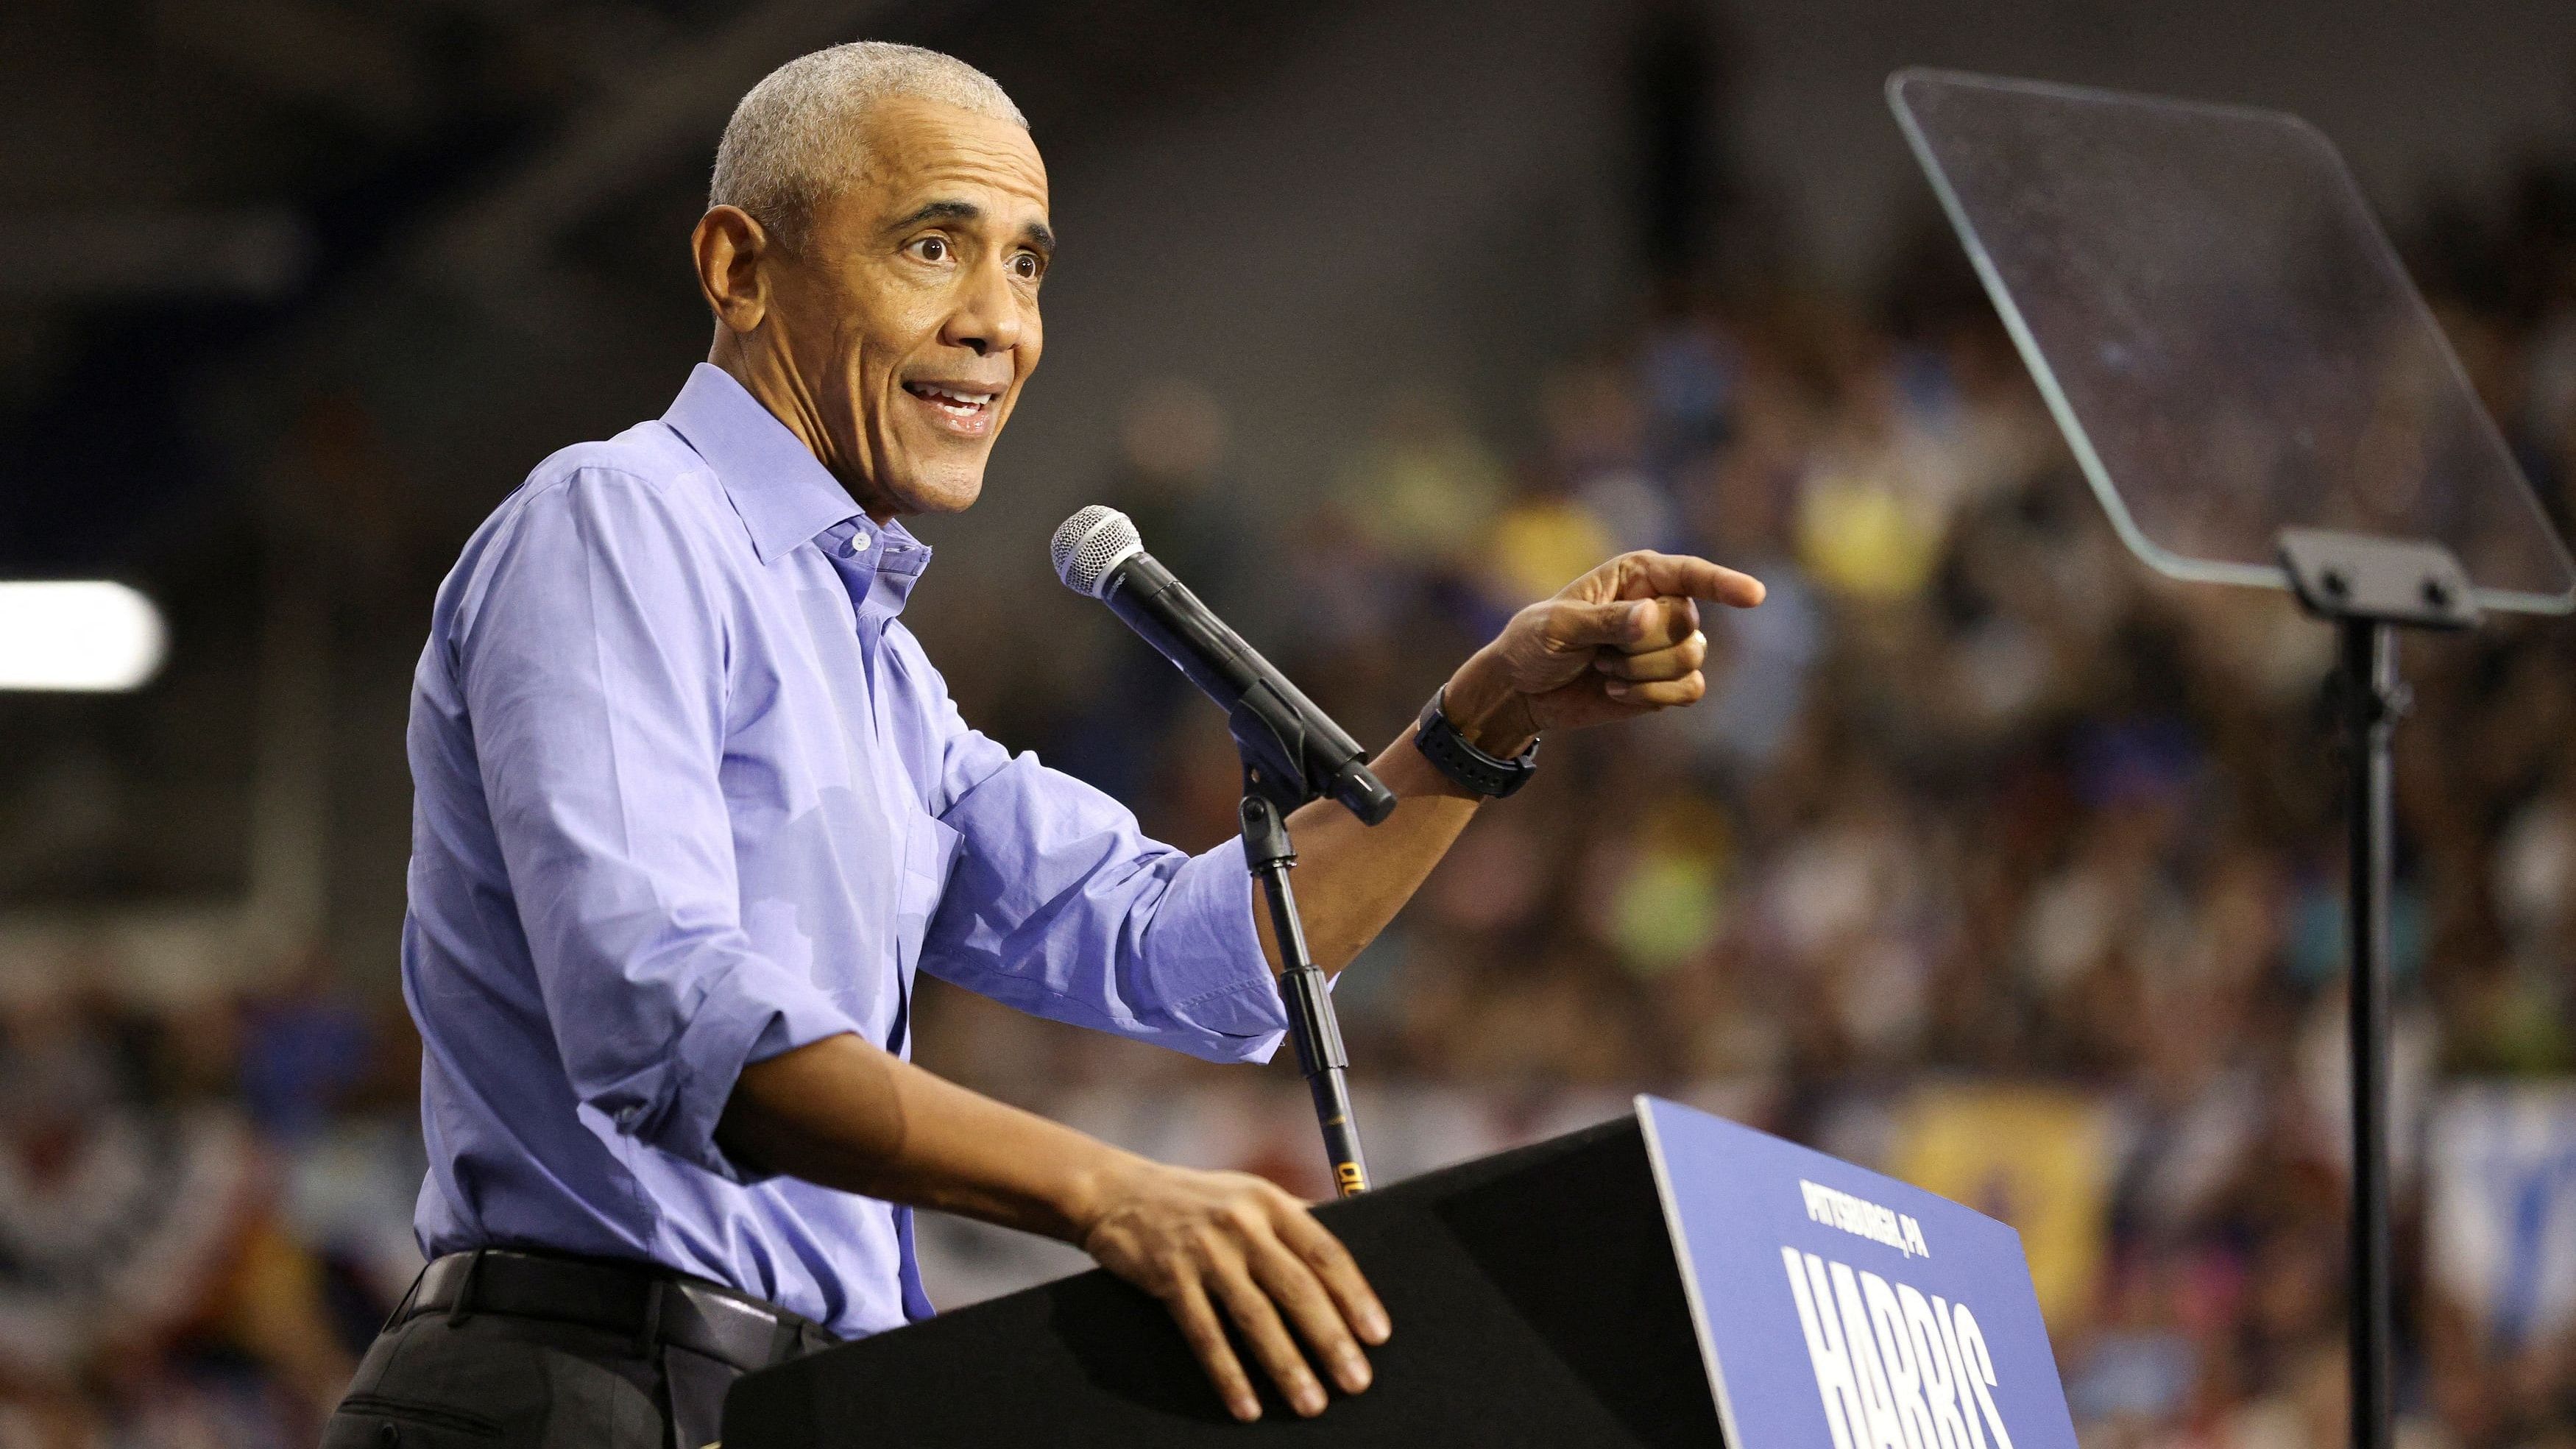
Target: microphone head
<point>1090,545</point>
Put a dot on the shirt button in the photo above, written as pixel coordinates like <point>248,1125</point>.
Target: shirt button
<point>627,1117</point>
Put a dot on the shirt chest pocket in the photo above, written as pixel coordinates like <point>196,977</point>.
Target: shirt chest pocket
<point>930,852</point>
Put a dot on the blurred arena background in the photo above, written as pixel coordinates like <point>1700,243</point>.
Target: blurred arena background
<point>1995,863</point>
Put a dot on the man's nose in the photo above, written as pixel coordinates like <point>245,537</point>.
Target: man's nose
<point>987,319</point>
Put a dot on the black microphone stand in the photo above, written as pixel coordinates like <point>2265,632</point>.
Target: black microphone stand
<point>1292,753</point>
<point>1311,1023</point>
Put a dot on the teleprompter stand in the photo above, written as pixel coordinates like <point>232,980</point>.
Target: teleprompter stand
<point>2368,588</point>
<point>2257,395</point>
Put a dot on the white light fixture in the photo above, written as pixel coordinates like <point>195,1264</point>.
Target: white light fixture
<point>77,634</point>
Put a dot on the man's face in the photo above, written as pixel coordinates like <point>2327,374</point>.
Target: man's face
<point>911,311</point>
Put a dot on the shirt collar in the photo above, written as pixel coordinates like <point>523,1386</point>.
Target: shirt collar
<point>878,565</point>
<point>782,494</point>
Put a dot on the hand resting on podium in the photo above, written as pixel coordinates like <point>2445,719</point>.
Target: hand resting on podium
<point>1226,1247</point>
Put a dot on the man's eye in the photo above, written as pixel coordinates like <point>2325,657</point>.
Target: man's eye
<point>931,249</point>
<point>1027,267</point>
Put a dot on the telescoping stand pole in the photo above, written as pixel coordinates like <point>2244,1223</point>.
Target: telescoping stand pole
<point>1266,849</point>
<point>2367,587</point>
<point>2372,700</point>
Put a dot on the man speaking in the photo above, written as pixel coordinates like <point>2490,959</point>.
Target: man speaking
<point>693,808</point>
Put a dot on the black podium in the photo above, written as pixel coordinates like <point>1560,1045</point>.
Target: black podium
<point>1536,1301</point>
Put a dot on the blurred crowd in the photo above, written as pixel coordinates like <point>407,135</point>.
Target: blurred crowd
<point>1992,860</point>
<point>205,1207</point>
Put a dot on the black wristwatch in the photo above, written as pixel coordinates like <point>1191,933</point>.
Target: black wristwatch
<point>1473,769</point>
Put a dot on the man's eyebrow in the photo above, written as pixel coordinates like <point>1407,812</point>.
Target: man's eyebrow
<point>1037,235</point>
<point>941,211</point>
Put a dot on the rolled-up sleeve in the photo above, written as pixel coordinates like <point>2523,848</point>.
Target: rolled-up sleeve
<point>593,669</point>
<point>1061,906</point>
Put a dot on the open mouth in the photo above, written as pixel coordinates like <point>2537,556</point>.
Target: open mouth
<point>965,408</point>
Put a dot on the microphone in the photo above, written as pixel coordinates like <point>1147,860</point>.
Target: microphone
<point>1294,750</point>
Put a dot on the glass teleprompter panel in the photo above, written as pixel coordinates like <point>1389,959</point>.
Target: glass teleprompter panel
<point>2223,331</point>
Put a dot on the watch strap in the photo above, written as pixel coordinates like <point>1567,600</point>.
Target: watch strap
<point>1467,766</point>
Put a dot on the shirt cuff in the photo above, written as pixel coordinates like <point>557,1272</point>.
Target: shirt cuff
<point>1208,969</point>
<point>750,1013</point>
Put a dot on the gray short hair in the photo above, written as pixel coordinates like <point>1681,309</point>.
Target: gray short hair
<point>792,140</point>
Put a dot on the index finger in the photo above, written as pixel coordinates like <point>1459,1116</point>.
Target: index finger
<point>1645,575</point>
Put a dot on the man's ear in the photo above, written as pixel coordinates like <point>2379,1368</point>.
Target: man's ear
<point>732,250</point>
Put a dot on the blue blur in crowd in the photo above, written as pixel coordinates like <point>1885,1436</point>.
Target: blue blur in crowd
<point>298,1056</point>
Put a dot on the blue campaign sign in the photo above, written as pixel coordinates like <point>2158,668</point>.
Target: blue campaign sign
<point>1838,1309</point>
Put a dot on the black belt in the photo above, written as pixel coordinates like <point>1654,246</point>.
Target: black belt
<point>641,1301</point>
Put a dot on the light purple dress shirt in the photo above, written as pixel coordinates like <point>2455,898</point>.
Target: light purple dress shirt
<point>688,795</point>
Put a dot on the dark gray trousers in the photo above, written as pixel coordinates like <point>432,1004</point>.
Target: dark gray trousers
<point>494,1381</point>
